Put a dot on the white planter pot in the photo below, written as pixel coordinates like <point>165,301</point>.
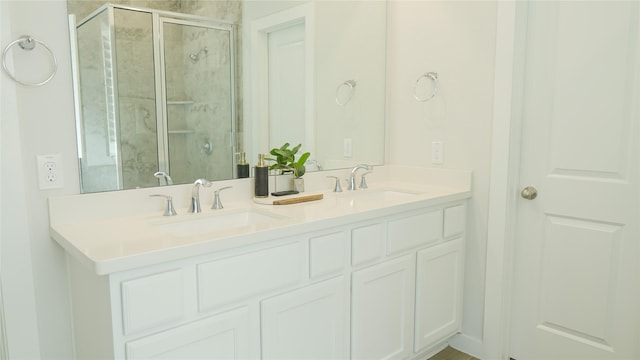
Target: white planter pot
<point>298,184</point>
<point>283,182</point>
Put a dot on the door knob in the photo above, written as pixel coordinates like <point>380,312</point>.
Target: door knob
<point>529,193</point>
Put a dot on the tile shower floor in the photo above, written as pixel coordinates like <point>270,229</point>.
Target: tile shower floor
<point>451,354</point>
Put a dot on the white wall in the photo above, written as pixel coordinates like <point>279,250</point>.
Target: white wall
<point>15,261</point>
<point>457,40</point>
<point>39,121</point>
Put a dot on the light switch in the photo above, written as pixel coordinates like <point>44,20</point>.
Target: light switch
<point>437,152</point>
<point>348,147</point>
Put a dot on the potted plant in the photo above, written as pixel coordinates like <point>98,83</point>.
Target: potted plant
<point>285,162</point>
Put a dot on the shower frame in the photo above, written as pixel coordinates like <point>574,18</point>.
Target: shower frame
<point>158,19</point>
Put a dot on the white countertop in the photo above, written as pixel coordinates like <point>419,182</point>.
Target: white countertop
<point>122,230</point>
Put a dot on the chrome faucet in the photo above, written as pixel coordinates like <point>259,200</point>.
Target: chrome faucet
<point>195,195</point>
<point>352,177</point>
<point>164,176</point>
<point>315,163</point>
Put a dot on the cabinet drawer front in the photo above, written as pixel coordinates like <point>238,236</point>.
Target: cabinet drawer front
<point>454,220</point>
<point>240,277</point>
<point>412,231</point>
<point>367,244</point>
<point>223,336</point>
<point>327,254</point>
<point>152,300</point>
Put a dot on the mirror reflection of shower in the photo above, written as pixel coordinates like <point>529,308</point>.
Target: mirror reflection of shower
<point>142,109</point>
<point>195,57</point>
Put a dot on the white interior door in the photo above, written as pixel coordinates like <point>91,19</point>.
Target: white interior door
<point>287,96</point>
<point>576,289</point>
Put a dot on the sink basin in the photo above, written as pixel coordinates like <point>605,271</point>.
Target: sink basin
<point>224,220</point>
<point>382,195</point>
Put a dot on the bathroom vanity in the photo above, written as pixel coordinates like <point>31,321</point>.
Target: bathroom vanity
<point>368,274</point>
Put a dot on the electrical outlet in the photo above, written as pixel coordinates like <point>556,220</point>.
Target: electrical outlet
<point>348,147</point>
<point>437,152</point>
<point>50,172</point>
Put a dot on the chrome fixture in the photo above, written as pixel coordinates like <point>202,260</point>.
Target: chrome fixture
<point>363,180</point>
<point>168,210</point>
<point>349,88</point>
<point>352,177</point>
<point>164,177</point>
<point>217,204</point>
<point>195,57</point>
<point>313,162</point>
<point>433,76</point>
<point>529,193</point>
<point>337,187</point>
<point>207,147</point>
<point>195,194</point>
<point>28,43</point>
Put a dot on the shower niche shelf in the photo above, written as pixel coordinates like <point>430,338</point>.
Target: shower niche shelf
<point>180,132</point>
<point>180,102</point>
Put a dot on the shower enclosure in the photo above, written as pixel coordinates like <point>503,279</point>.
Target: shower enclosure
<point>155,91</point>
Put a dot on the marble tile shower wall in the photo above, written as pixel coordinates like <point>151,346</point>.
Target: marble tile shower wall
<point>228,10</point>
<point>207,84</point>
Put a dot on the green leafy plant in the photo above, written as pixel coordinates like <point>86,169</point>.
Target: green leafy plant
<point>285,160</point>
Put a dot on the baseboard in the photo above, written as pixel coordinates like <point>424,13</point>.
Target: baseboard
<point>468,345</point>
<point>431,351</point>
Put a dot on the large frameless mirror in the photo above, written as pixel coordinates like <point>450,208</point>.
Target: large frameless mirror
<point>175,93</point>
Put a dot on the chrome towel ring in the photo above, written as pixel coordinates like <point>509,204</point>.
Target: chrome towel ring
<point>350,87</point>
<point>28,43</point>
<point>433,76</point>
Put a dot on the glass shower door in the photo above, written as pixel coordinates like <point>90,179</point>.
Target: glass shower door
<point>116,99</point>
<point>199,100</point>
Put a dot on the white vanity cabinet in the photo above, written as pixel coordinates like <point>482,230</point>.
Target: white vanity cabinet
<point>383,287</point>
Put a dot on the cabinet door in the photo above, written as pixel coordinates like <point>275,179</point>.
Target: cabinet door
<point>309,323</point>
<point>438,293</point>
<point>382,310</point>
<point>224,336</point>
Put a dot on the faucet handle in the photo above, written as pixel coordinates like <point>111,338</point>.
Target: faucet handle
<point>217,204</point>
<point>337,187</point>
<point>363,181</point>
<point>168,210</point>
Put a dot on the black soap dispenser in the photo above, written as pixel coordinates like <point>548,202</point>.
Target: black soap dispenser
<point>242,167</point>
<point>261,178</point>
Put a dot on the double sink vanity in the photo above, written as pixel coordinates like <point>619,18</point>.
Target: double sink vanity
<point>364,274</point>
